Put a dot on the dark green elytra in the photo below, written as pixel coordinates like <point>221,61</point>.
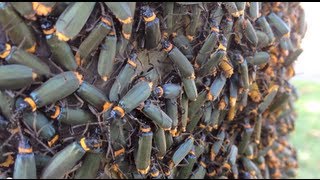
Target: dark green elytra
<point>73,18</point>
<point>159,117</point>
<point>19,56</point>
<point>56,88</point>
<point>15,77</point>
<point>63,161</point>
<point>61,53</point>
<point>142,159</point>
<point>182,150</point>
<point>18,31</point>
<point>25,165</point>
<point>92,95</point>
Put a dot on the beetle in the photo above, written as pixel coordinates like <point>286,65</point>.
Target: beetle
<point>117,133</point>
<point>232,9</point>
<point>119,163</point>
<point>281,99</point>
<point>217,13</point>
<point>7,104</point>
<point>25,165</point>
<point>215,58</point>
<point>42,125</point>
<point>73,18</point>
<point>160,142</point>
<point>89,167</point>
<point>182,151</point>
<point>185,171</point>
<point>251,167</point>
<point>92,41</point>
<point>64,84</point>
<point>233,90</point>
<point>292,57</point>
<point>180,60</point>
<point>185,68</point>
<point>184,111</point>
<point>257,129</point>
<point>207,113</point>
<point>168,91</point>
<point>25,9</point>
<point>217,86</point>
<point>69,115</point>
<point>244,99</point>
<point>261,163</point>
<point>124,78</point>
<point>136,95</point>
<point>215,148</point>
<point>124,12</point>
<point>258,58</point>
<point>41,160</point>
<point>249,152</point>
<point>243,70</point>
<point>13,55</point>
<point>194,106</point>
<point>93,96</point>
<point>201,171</point>
<point>61,52</point>
<point>194,121</point>
<point>208,44</point>
<point>121,10</point>
<point>246,137</point>
<point>169,139</point>
<point>152,28</point>
<point>226,27</point>
<point>250,33</point>
<point>265,26</point>
<point>233,153</point>
<point>200,147</point>
<point>127,28</point>
<point>65,159</point>
<point>254,10</point>
<point>17,29</point>
<point>223,103</point>
<point>190,88</point>
<point>168,8</point>
<point>155,114</point>
<point>29,10</point>
<point>191,29</point>
<point>263,39</point>
<point>172,112</point>
<point>107,56</point>
<point>183,44</point>
<point>286,45</point>
<point>139,93</point>
<point>241,6</point>
<point>142,159</point>
<point>215,118</point>
<point>267,100</point>
<point>16,76</point>
<point>281,28</point>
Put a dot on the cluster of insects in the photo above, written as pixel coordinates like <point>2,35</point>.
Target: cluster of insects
<point>148,90</point>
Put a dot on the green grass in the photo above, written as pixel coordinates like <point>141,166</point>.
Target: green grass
<point>306,137</point>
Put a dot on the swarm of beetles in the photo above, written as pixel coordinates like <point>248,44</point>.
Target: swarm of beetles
<point>148,90</point>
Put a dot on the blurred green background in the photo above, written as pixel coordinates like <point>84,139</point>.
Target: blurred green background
<point>306,137</point>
